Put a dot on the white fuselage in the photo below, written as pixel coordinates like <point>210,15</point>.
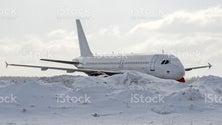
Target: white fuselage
<point>159,65</point>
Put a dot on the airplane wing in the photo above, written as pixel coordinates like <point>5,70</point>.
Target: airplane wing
<point>198,67</point>
<point>70,70</point>
<point>60,61</point>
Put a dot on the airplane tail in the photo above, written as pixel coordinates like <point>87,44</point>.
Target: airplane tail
<point>83,44</point>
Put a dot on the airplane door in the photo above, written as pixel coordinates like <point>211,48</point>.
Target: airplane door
<point>153,62</point>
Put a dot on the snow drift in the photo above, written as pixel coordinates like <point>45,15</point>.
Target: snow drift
<point>130,98</point>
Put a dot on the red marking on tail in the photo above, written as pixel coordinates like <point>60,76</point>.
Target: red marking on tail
<point>182,80</point>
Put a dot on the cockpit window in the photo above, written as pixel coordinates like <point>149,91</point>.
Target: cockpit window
<point>165,62</point>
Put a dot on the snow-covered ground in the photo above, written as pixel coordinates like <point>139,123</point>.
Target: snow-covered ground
<point>125,99</point>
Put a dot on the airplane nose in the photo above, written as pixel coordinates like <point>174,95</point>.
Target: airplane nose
<point>180,74</point>
<point>177,72</point>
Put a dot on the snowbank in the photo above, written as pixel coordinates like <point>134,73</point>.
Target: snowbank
<point>130,98</point>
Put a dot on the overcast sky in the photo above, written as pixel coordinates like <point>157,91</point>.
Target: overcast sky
<point>34,29</point>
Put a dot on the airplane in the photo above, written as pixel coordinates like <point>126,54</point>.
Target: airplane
<point>164,66</point>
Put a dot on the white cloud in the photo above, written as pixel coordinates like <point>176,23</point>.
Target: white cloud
<point>208,20</point>
<point>28,49</point>
<point>111,30</point>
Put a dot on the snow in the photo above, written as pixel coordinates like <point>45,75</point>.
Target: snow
<point>125,99</point>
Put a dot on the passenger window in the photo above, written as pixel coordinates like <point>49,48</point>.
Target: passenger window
<point>167,61</point>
